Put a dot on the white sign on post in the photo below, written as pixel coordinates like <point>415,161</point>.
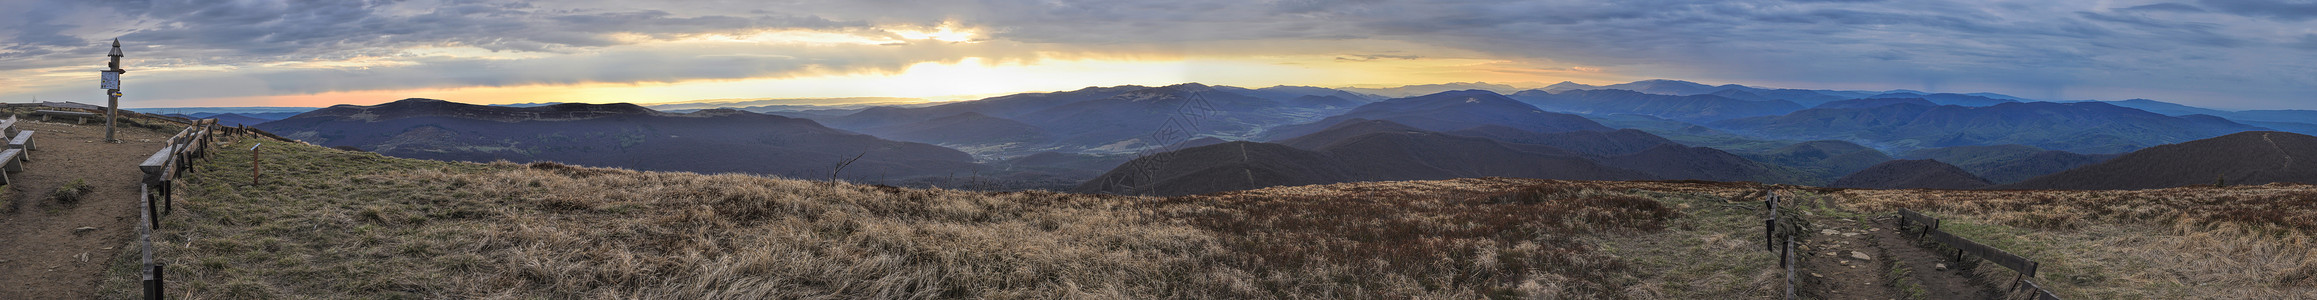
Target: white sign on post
<point>112,80</point>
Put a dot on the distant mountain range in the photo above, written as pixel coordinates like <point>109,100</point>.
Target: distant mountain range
<point>1201,138</point>
<point>1369,150</point>
<point>1378,155</point>
<point>2254,157</point>
<point>618,135</point>
<point>225,119</point>
<point>2074,127</point>
<point>1947,99</point>
<point>1911,174</point>
<point>1122,119</point>
<point>2296,121</point>
<point>2008,163</point>
<point>1450,111</point>
<point>1684,88</point>
<point>1428,89</point>
<point>1692,108</point>
<point>1821,161</point>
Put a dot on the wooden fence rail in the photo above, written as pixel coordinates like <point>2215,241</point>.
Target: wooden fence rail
<point>1779,242</point>
<point>161,171</point>
<point>1909,218</point>
<point>1968,248</point>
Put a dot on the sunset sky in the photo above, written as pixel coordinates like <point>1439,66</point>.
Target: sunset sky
<point>2246,54</point>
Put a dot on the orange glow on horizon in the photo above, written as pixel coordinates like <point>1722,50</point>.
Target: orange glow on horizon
<point>972,78</point>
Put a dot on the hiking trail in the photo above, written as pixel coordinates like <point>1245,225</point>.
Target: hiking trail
<point>45,252</point>
<point>1853,257</point>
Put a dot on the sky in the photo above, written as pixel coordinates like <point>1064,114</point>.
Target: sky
<point>2229,54</point>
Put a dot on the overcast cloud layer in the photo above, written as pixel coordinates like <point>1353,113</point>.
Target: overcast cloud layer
<point>2228,54</point>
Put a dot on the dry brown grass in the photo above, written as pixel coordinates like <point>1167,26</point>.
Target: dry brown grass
<point>1419,239</point>
<point>339,224</point>
<point>2245,242</point>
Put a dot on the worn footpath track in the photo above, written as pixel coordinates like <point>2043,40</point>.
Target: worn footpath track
<point>1868,257</point>
<point>44,252</point>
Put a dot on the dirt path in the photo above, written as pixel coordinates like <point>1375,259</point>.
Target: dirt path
<point>41,254</point>
<point>2280,151</point>
<point>1855,258</point>
<point>1842,263</point>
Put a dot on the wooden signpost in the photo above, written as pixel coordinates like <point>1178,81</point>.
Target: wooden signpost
<point>112,85</point>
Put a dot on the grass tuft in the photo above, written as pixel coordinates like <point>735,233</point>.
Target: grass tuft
<point>70,192</point>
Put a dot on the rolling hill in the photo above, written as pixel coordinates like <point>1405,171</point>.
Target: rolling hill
<point>1125,122</point>
<point>1947,99</point>
<point>1346,130</point>
<point>1220,167</point>
<point>1911,174</point>
<point>1449,111</point>
<point>2074,127</point>
<point>1361,150</point>
<point>1118,119</point>
<point>2245,158</point>
<point>1689,108</point>
<point>1873,102</point>
<point>1380,150</point>
<point>2033,165</point>
<point>1802,97</point>
<point>968,128</point>
<point>1008,106</point>
<point>1609,143</point>
<point>1674,161</point>
<point>617,135</point>
<point>1822,161</point>
<point>2008,163</point>
<point>1428,89</point>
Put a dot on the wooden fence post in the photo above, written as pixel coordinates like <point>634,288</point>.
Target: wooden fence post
<point>154,282</point>
<point>1789,271</point>
<point>1769,235</point>
<point>253,174</point>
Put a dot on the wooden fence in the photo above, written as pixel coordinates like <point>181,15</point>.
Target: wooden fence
<point>1965,248</point>
<point>1778,241</point>
<point>161,171</point>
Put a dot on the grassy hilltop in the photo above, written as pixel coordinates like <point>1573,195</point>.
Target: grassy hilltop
<point>339,224</point>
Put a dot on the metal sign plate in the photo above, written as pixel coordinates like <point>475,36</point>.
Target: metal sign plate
<point>112,80</point>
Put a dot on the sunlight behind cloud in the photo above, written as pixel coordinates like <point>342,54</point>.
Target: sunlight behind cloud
<point>965,79</point>
<point>947,32</point>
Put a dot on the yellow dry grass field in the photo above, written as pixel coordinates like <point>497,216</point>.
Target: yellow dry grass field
<point>331,224</point>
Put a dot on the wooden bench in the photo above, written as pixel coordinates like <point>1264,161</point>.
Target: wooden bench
<point>11,164</point>
<point>82,116</point>
<point>22,141</point>
<point>8,126</point>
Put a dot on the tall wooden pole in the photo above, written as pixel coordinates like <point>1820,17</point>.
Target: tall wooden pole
<point>113,91</point>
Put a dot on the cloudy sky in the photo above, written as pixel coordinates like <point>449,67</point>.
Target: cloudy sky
<point>2235,54</point>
